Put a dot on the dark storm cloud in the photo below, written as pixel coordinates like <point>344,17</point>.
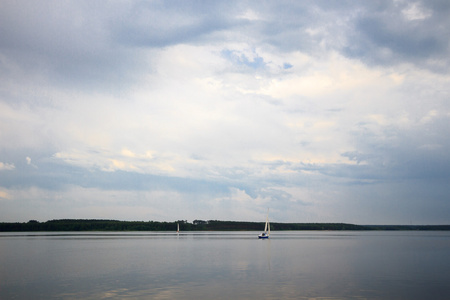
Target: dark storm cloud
<point>387,36</point>
<point>376,32</point>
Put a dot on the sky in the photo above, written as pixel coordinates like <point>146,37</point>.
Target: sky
<point>321,111</point>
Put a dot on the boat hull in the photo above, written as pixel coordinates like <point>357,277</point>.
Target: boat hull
<point>263,237</point>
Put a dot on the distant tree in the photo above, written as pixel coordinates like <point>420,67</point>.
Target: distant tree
<point>200,222</point>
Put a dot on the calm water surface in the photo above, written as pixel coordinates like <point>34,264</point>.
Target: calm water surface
<point>225,265</point>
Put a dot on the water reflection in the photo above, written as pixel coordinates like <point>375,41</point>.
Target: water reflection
<point>224,265</point>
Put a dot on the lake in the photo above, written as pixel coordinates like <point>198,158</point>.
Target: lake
<point>225,265</point>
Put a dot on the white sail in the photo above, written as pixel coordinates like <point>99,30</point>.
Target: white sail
<point>178,227</point>
<point>267,227</point>
<point>267,222</point>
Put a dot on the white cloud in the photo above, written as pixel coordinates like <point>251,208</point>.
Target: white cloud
<point>3,194</point>
<point>6,166</point>
<point>414,11</point>
<point>225,112</point>
<point>249,15</point>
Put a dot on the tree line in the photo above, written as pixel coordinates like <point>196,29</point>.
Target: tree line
<point>196,225</point>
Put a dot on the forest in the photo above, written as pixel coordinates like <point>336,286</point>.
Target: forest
<point>196,225</point>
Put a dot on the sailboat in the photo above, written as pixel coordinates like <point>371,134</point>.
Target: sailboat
<point>266,233</point>
<point>178,228</point>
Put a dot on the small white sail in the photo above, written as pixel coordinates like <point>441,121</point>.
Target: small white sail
<point>178,228</point>
<point>267,221</point>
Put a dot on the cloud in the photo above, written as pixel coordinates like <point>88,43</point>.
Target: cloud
<point>3,195</point>
<point>68,45</point>
<point>415,11</point>
<point>159,24</point>
<point>6,166</point>
<point>224,109</point>
<point>403,32</point>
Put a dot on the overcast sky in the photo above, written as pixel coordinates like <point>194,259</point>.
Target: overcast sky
<point>322,111</point>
